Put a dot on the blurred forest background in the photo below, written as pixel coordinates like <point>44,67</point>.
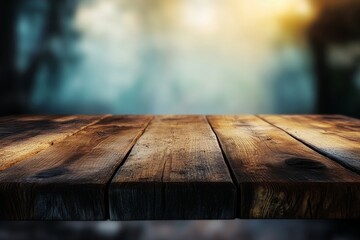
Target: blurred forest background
<point>180,56</point>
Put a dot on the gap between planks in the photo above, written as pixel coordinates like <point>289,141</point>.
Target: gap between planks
<point>160,191</point>
<point>303,175</point>
<point>314,148</point>
<point>231,171</point>
<point>107,201</point>
<point>45,171</point>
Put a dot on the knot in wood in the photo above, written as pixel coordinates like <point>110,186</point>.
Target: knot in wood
<point>304,163</point>
<point>49,173</point>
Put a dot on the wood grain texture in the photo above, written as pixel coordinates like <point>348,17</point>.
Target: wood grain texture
<point>175,171</point>
<point>24,136</point>
<point>337,137</point>
<point>279,177</point>
<point>69,180</point>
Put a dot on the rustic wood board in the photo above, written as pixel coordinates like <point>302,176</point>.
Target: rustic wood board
<point>337,137</point>
<point>25,136</point>
<point>175,171</point>
<point>279,177</point>
<point>69,180</point>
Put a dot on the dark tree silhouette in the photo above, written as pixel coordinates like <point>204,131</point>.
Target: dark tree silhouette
<point>336,24</point>
<point>16,86</point>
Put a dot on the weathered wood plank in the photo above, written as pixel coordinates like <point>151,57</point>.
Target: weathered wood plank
<point>337,137</point>
<point>25,136</point>
<point>279,177</point>
<point>175,171</point>
<point>69,180</point>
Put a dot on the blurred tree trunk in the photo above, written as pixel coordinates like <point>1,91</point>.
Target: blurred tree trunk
<point>322,76</point>
<point>336,24</point>
<point>7,41</point>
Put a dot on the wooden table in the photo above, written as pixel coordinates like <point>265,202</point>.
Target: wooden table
<point>179,167</point>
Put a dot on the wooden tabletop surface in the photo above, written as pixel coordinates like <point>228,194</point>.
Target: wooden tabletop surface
<point>142,167</point>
